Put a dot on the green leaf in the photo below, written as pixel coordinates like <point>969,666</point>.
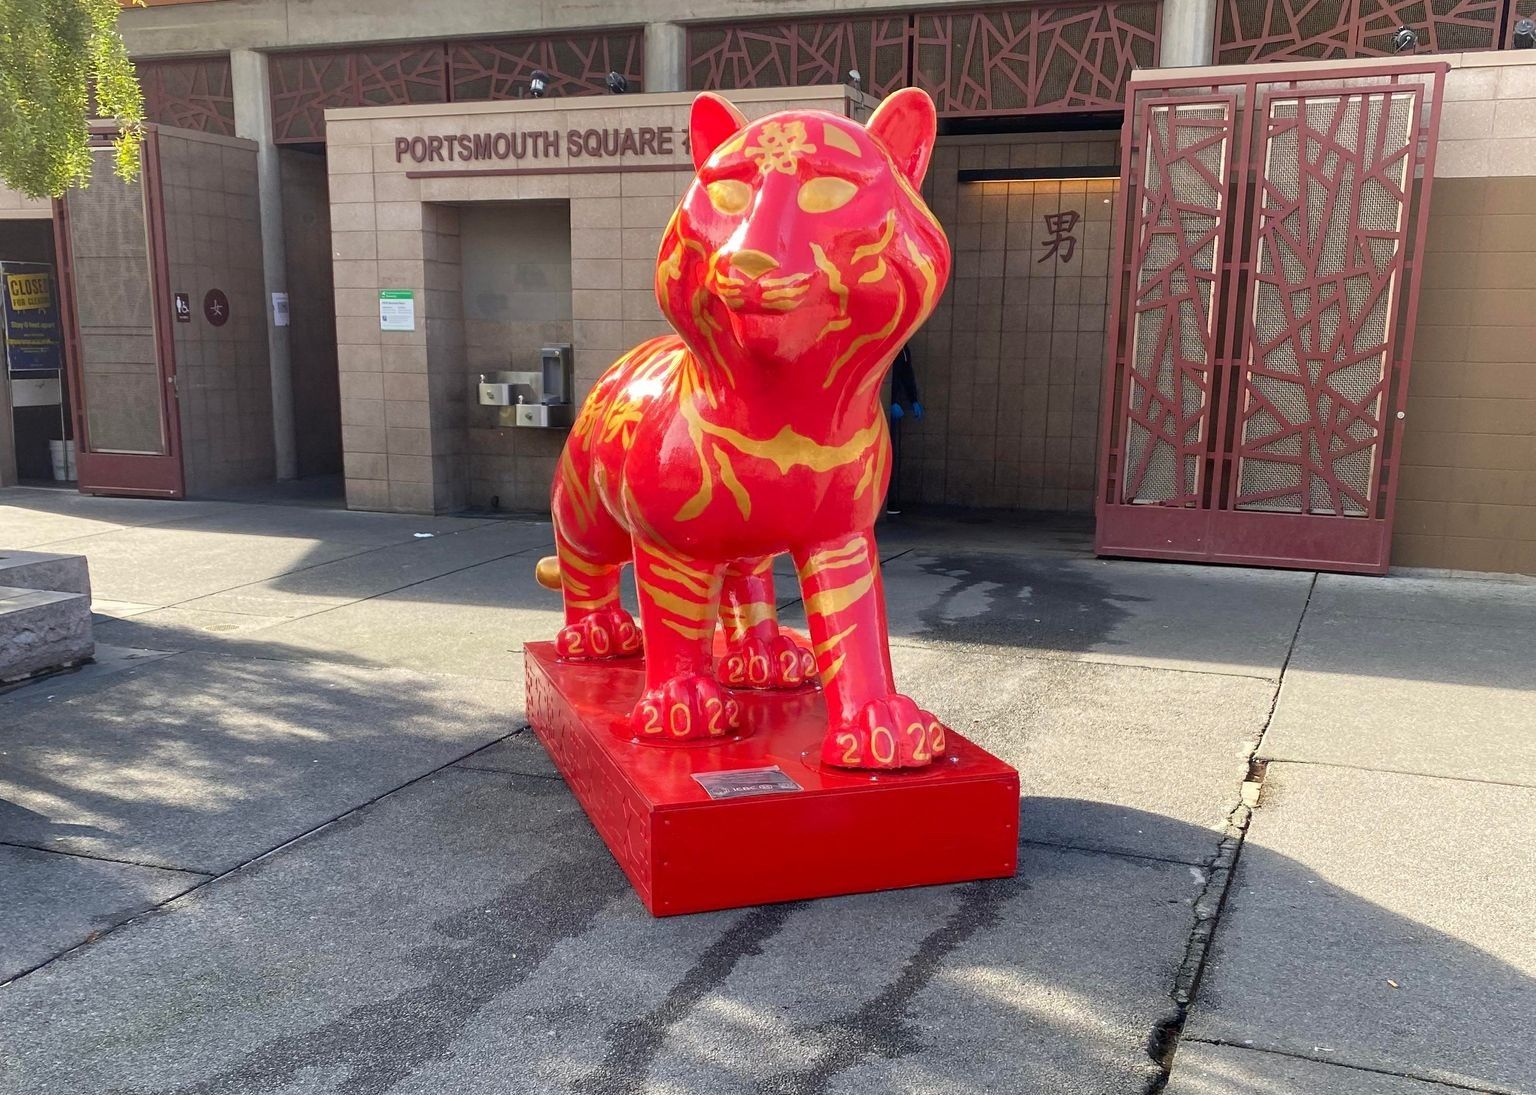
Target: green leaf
<point>53,54</point>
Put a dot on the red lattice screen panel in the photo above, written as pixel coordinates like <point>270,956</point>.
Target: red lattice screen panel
<point>1179,230</point>
<point>1025,59</point>
<point>1330,240</point>
<point>305,84</point>
<point>799,53</point>
<point>578,64</point>
<point>1294,30</point>
<point>1034,59</point>
<point>1262,328</point>
<point>191,94</point>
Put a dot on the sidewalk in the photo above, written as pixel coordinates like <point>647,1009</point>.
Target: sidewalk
<point>289,834</point>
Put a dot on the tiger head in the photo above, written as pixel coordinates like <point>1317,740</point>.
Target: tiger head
<point>802,253</point>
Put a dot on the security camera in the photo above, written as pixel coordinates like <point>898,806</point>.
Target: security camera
<point>537,83</point>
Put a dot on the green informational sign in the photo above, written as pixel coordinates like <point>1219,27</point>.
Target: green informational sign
<point>30,302</point>
<point>397,310</point>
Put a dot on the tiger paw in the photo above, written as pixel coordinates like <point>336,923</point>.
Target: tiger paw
<point>687,708</point>
<point>608,633</point>
<point>779,662</point>
<point>887,733</point>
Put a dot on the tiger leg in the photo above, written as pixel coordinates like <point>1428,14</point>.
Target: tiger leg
<point>871,724</point>
<point>757,654</point>
<point>591,548</point>
<point>679,598</point>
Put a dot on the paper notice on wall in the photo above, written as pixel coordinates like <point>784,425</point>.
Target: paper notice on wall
<point>279,309</point>
<point>397,310</point>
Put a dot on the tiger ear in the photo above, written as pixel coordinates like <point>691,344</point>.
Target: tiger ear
<point>710,124</point>
<point>907,124</point>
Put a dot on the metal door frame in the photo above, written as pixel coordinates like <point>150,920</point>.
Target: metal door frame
<point>1205,526</point>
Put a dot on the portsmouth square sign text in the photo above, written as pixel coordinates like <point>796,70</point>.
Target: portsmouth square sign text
<point>542,144</point>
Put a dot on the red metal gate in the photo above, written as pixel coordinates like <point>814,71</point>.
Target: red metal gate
<point>1268,240</point>
<point>119,342</point>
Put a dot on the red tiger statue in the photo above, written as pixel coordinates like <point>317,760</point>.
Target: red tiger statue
<point>800,260</point>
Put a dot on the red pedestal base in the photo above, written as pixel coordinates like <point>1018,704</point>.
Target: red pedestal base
<point>842,832</point>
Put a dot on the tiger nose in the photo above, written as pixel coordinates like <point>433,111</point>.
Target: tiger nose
<point>754,264</point>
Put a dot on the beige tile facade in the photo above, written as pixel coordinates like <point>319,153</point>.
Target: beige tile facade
<point>1467,494</point>
<point>1010,364</point>
<point>15,205</point>
<point>1467,497</point>
<point>413,437</point>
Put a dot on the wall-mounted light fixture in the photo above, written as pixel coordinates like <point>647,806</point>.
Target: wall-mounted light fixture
<point>1525,34</point>
<point>617,84</point>
<point>538,80</point>
<point>856,78</point>
<point>1036,174</point>
<point>1405,41</point>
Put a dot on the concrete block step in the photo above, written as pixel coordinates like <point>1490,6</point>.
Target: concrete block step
<point>44,570</point>
<point>42,630</point>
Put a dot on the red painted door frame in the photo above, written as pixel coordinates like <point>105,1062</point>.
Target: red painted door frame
<point>106,472</point>
<point>1196,397</point>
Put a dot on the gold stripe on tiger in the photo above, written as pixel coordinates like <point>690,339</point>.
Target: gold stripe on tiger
<point>827,601</point>
<point>681,606</point>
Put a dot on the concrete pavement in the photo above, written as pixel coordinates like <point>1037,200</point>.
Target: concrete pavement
<point>288,834</point>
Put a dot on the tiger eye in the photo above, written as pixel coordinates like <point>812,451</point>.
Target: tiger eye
<point>729,196</point>
<point>826,194</point>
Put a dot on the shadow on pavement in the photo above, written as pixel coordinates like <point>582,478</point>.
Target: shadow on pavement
<point>471,934</point>
<point>201,762</point>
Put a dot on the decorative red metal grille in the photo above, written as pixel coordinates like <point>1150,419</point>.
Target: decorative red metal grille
<point>1034,59</point>
<point>799,53</point>
<point>579,64</point>
<point>305,84</point>
<point>1025,59</point>
<point>190,94</point>
<point>1262,326</point>
<point>1178,232</point>
<point>1293,30</point>
<point>1329,243</point>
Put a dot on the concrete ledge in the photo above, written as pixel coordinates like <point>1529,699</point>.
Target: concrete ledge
<point>40,570</point>
<point>41,630</point>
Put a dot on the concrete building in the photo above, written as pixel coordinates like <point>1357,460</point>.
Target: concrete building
<point>299,184</point>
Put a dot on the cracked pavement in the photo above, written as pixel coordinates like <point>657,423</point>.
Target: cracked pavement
<point>288,834</point>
